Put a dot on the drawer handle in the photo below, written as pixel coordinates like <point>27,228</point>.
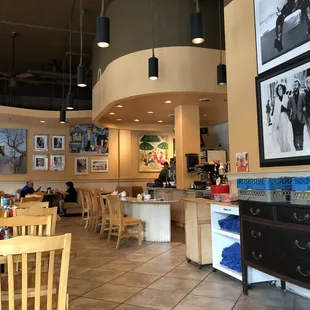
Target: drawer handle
<point>256,212</point>
<point>225,209</point>
<point>260,256</point>
<point>258,235</point>
<point>307,245</point>
<point>303,274</point>
<point>306,217</point>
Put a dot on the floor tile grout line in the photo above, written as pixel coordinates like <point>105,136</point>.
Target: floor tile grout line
<point>237,301</point>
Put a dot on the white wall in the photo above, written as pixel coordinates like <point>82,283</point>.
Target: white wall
<point>222,137</point>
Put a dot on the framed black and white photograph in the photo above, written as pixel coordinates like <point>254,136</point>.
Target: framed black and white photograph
<point>58,162</point>
<point>283,105</point>
<point>58,143</point>
<point>40,162</point>
<point>81,165</point>
<point>99,166</point>
<point>40,143</point>
<point>282,31</point>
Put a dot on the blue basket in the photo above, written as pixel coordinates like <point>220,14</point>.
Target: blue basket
<point>301,184</point>
<point>265,183</point>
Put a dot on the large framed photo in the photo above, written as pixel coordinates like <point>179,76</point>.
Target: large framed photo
<point>58,162</point>
<point>282,31</point>
<point>40,162</point>
<point>283,105</point>
<point>40,143</point>
<point>81,165</point>
<point>58,143</point>
<point>99,166</point>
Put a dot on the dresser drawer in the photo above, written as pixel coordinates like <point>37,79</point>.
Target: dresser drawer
<point>293,214</point>
<point>256,210</point>
<point>256,234</point>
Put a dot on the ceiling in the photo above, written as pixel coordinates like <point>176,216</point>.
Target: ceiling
<point>212,113</point>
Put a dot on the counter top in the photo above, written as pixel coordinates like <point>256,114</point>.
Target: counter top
<point>151,201</point>
<point>209,201</point>
<point>175,189</point>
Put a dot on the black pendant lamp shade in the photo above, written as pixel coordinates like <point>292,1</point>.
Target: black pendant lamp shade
<point>221,74</point>
<point>81,76</point>
<point>103,31</point>
<point>62,117</point>
<point>197,28</point>
<point>153,68</point>
<point>69,101</point>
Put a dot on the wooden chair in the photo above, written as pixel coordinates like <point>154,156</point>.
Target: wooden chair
<point>121,223</point>
<point>105,219</point>
<point>33,197</point>
<point>28,225</point>
<point>38,211</point>
<point>97,213</point>
<point>31,204</point>
<point>84,207</point>
<point>18,289</point>
<point>90,213</point>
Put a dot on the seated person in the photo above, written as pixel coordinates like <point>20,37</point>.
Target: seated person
<point>28,189</point>
<point>70,197</point>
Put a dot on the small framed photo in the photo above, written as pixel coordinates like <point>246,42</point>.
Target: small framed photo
<point>58,162</point>
<point>40,143</point>
<point>58,143</point>
<point>99,166</point>
<point>40,162</point>
<point>81,165</point>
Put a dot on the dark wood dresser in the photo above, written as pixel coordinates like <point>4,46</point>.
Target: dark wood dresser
<point>275,239</point>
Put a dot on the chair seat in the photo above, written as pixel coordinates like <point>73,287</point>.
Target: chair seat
<point>131,220</point>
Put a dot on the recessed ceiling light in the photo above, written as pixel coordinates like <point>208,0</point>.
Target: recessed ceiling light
<point>119,119</point>
<point>119,106</point>
<point>160,121</point>
<point>112,113</point>
<point>168,101</point>
<point>42,121</point>
<point>150,112</point>
<point>136,120</point>
<point>205,115</point>
<point>204,100</point>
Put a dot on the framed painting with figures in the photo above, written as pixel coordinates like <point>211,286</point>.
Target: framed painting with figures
<point>58,143</point>
<point>282,31</point>
<point>81,165</point>
<point>283,106</point>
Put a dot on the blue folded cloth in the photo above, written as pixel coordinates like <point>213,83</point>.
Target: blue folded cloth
<point>230,223</point>
<point>232,257</point>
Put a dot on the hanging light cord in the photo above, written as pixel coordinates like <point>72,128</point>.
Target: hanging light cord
<point>81,30</point>
<point>102,8</point>
<point>70,58</point>
<point>220,27</point>
<point>197,6</point>
<point>153,28</point>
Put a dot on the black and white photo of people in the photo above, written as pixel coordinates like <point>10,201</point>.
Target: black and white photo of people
<point>282,31</point>
<point>285,107</point>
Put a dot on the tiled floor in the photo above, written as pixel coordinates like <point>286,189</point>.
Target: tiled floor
<point>156,276</point>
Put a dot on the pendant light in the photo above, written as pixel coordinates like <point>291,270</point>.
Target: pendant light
<point>103,29</point>
<point>221,68</point>
<point>197,26</point>
<point>69,99</point>
<point>62,117</point>
<point>153,61</point>
<point>81,70</point>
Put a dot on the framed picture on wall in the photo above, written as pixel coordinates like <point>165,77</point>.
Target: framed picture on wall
<point>282,31</point>
<point>40,143</point>
<point>58,143</point>
<point>40,162</point>
<point>99,166</point>
<point>283,105</point>
<point>58,162</point>
<point>81,165</point>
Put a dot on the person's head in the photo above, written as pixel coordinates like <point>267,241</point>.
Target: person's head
<point>165,165</point>
<point>280,90</point>
<point>297,85</point>
<point>29,183</point>
<point>89,130</point>
<point>69,185</point>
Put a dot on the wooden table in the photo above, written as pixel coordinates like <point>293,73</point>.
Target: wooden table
<point>51,196</point>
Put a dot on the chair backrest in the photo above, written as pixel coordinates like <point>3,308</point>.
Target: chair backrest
<point>104,209</point>
<point>82,200</point>
<point>28,225</point>
<point>33,197</point>
<point>96,204</point>
<point>127,189</point>
<point>31,204</point>
<point>88,201</point>
<point>38,211</point>
<point>115,208</point>
<point>96,191</point>
<point>21,249</point>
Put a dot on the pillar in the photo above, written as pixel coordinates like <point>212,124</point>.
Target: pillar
<point>187,140</point>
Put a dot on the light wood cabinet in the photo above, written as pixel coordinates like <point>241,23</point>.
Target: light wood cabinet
<point>198,231</point>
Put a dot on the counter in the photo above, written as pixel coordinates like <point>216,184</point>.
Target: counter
<point>155,216</point>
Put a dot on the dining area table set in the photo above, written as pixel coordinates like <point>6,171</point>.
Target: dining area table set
<point>34,261</point>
